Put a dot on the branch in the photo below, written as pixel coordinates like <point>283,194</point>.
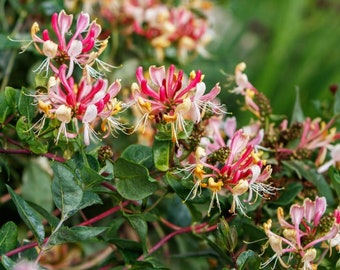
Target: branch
<point>201,228</point>
<point>29,152</point>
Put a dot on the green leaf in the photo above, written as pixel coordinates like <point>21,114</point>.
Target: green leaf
<point>297,111</point>
<point>139,154</point>
<point>25,104</point>
<point>289,194</point>
<point>4,165</point>
<point>183,187</point>
<point>8,237</point>
<point>7,262</point>
<point>89,177</point>
<point>67,194</point>
<point>75,234</point>
<point>165,131</point>
<point>336,106</point>
<point>334,175</point>
<point>11,96</point>
<point>133,181</point>
<point>307,170</point>
<point>23,129</point>
<point>248,258</point>
<point>141,227</point>
<point>129,249</point>
<point>31,218</point>
<point>26,134</point>
<point>161,153</point>
<point>36,177</point>
<point>51,219</point>
<point>5,109</point>
<point>89,198</point>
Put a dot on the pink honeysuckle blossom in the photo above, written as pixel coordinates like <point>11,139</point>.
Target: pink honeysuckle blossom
<point>167,98</point>
<point>164,26</point>
<point>303,233</point>
<point>82,48</point>
<point>237,170</point>
<point>69,103</point>
<point>334,158</point>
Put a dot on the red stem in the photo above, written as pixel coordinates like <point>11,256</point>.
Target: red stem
<point>28,152</point>
<point>87,222</point>
<point>201,228</point>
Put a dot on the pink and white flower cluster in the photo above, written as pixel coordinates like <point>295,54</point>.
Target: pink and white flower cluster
<point>166,96</point>
<point>234,168</point>
<point>163,26</point>
<point>307,228</point>
<point>62,47</point>
<point>66,100</point>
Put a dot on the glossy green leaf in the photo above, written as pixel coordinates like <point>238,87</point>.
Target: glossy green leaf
<point>306,170</point>
<point>139,154</point>
<point>133,181</point>
<point>8,237</point>
<point>11,96</point>
<point>182,187</point>
<point>165,131</point>
<point>88,176</point>
<point>247,259</point>
<point>139,224</point>
<point>75,234</point>
<point>161,153</point>
<point>130,250</point>
<point>89,198</point>
<point>297,111</point>
<point>51,219</point>
<point>67,194</point>
<point>334,175</point>
<point>336,106</point>
<point>36,177</point>
<point>25,104</point>
<point>31,218</point>
<point>5,109</point>
<point>23,129</point>
<point>7,262</point>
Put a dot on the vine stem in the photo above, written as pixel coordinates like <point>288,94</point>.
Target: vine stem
<point>28,152</point>
<point>85,223</point>
<point>200,228</point>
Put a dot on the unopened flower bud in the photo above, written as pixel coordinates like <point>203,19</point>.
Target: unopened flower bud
<point>240,188</point>
<point>50,49</point>
<point>64,114</point>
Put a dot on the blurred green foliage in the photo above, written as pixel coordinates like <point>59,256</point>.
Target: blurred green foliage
<point>284,44</point>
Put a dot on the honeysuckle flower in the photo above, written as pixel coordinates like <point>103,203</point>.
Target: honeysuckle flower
<point>167,98</point>
<point>202,103</point>
<point>235,169</point>
<point>164,26</point>
<point>304,233</point>
<point>334,159</point>
<point>82,48</point>
<point>241,80</point>
<point>69,103</point>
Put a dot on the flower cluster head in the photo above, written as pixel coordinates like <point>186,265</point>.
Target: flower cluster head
<point>76,105</point>
<point>163,26</point>
<point>308,227</point>
<point>167,97</point>
<point>235,168</point>
<point>62,47</point>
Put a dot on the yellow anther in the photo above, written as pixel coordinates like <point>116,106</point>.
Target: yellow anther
<point>214,186</point>
<point>45,107</point>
